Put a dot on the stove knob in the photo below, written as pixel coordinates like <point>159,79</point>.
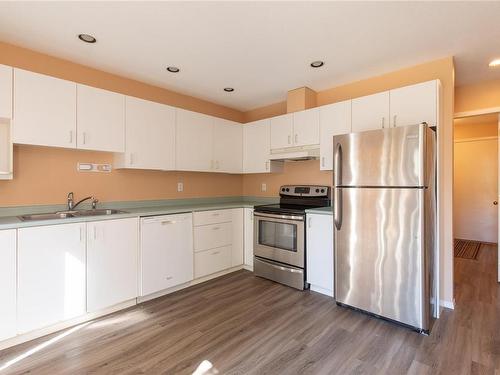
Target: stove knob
<point>317,190</point>
<point>282,189</point>
<point>322,190</point>
<point>287,190</point>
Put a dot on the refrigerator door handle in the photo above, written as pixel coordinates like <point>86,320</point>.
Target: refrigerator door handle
<point>337,193</point>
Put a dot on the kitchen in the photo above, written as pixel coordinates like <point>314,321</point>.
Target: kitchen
<point>175,181</point>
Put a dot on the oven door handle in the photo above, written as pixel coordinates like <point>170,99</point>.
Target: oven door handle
<point>282,217</point>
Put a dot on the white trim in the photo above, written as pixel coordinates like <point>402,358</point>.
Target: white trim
<point>484,111</point>
<point>321,290</point>
<point>447,304</point>
<point>248,267</point>
<point>28,336</point>
<point>475,139</point>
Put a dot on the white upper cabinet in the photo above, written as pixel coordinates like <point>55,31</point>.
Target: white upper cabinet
<point>415,104</point>
<point>8,283</point>
<point>194,141</point>
<point>228,144</point>
<point>51,275</point>
<point>370,112</point>
<point>100,119</point>
<point>282,131</point>
<point>5,91</point>
<point>149,136</point>
<point>112,262</point>
<point>257,148</point>
<point>306,127</point>
<point>44,110</point>
<point>335,119</point>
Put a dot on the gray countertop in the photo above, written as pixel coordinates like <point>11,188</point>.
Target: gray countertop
<point>9,215</point>
<point>320,211</point>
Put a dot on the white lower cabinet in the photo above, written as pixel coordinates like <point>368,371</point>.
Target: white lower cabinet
<point>8,283</point>
<point>211,261</point>
<point>248,237</point>
<point>237,238</point>
<point>166,252</point>
<point>320,253</point>
<point>51,275</point>
<point>112,262</point>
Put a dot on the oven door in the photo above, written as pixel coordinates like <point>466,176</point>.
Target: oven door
<point>280,238</point>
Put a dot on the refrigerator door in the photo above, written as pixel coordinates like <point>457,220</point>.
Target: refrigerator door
<point>379,255</point>
<point>385,157</point>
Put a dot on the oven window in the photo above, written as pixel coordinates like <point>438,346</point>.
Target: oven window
<point>279,235</point>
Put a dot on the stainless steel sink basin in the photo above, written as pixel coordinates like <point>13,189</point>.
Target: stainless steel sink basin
<point>70,214</point>
<point>98,212</point>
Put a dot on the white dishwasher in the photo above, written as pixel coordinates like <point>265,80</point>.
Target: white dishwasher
<point>166,252</point>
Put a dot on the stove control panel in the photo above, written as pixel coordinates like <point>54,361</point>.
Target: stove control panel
<point>305,191</point>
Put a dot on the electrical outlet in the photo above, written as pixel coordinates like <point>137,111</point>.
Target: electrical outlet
<point>180,187</point>
<point>263,187</point>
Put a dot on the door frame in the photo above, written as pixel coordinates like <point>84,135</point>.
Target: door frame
<point>488,111</point>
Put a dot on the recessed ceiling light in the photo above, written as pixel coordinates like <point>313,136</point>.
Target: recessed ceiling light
<point>173,69</point>
<point>494,63</point>
<point>228,89</point>
<point>87,38</point>
<point>317,64</point>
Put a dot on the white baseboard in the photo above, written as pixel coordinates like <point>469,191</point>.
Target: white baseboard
<point>248,267</point>
<point>321,290</point>
<point>28,336</point>
<point>447,304</point>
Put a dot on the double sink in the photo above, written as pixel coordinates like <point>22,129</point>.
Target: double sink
<point>70,214</point>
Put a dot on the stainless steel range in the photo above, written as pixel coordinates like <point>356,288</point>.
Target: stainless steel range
<point>279,234</point>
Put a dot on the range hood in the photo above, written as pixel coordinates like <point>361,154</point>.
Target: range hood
<point>295,153</point>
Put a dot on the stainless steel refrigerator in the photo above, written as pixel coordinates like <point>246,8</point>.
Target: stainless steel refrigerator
<point>385,223</point>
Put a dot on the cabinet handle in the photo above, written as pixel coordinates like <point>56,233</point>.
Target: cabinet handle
<point>169,277</point>
<point>215,214</point>
<point>71,136</point>
<point>296,138</point>
<point>323,161</point>
<point>168,222</point>
<point>131,158</point>
<point>216,252</point>
<point>212,164</point>
<point>383,122</point>
<point>267,165</point>
<point>289,139</point>
<point>394,120</point>
<point>216,164</point>
<point>95,233</point>
<point>215,228</point>
<point>84,137</point>
<point>309,222</point>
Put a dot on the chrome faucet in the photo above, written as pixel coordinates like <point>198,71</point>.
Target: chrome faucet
<point>72,205</point>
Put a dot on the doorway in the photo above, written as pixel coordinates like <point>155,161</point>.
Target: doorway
<point>475,188</point>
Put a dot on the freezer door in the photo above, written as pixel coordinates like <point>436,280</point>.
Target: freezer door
<point>385,157</point>
<point>379,263</point>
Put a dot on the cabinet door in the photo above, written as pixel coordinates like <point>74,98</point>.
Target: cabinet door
<point>112,248</point>
<point>281,131</point>
<point>256,147</point>
<point>44,110</point>
<point>166,252</point>
<point>5,91</point>
<point>335,119</point>
<point>100,119</point>
<point>370,112</point>
<point>306,127</point>
<point>320,253</point>
<point>415,104</point>
<point>238,237</point>
<point>194,135</point>
<point>228,146</point>
<point>149,136</point>
<point>248,236</point>
<point>212,261</point>
<point>8,283</point>
<point>51,275</point>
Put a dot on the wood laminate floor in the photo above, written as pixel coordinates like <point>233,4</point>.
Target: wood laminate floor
<point>242,324</point>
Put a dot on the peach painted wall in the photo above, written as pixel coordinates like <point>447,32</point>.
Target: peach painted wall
<point>476,97</point>
<point>46,175</point>
<point>443,70</point>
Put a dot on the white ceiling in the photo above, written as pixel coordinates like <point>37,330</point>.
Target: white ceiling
<point>262,49</point>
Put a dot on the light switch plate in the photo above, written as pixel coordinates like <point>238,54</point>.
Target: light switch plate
<point>180,187</point>
<point>263,187</point>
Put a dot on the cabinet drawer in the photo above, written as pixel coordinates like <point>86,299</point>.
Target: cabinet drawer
<point>211,261</point>
<point>211,217</point>
<point>212,236</point>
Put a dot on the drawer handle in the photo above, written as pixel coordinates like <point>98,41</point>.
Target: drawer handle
<point>215,228</point>
<point>216,252</point>
<point>169,277</point>
<point>215,214</point>
<point>168,222</point>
